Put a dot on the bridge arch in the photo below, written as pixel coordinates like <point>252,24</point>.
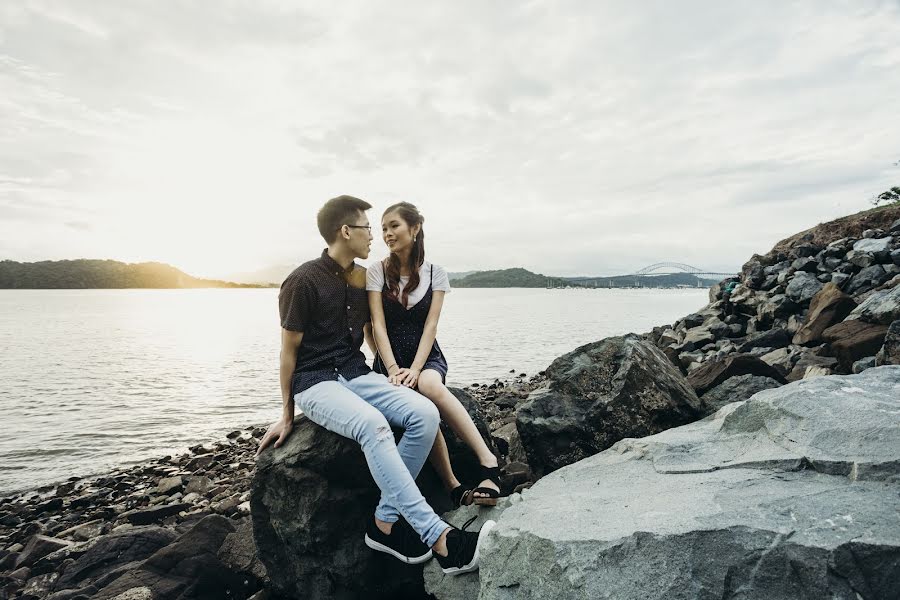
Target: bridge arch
<point>669,265</point>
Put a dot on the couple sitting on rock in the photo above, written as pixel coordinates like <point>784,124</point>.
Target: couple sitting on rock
<point>325,315</point>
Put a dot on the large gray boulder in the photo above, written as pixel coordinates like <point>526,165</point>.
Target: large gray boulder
<point>803,287</point>
<point>598,394</point>
<point>789,495</point>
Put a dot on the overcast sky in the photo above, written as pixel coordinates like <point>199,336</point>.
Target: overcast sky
<point>570,137</point>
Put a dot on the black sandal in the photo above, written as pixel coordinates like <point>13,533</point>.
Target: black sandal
<point>491,495</point>
<point>459,495</point>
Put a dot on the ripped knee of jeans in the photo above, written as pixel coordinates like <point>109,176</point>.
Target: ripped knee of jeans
<point>383,433</point>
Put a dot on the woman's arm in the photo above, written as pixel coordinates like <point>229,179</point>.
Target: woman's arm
<point>429,334</point>
<point>379,329</point>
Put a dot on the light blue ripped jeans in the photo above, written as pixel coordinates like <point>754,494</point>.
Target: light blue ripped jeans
<point>363,409</point>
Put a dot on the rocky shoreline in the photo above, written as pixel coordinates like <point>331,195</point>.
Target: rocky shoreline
<point>72,540</point>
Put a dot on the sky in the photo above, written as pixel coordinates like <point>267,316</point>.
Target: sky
<point>582,137</point>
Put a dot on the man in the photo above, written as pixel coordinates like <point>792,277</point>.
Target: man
<point>324,307</point>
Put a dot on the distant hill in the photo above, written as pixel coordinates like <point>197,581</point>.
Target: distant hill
<point>459,275</point>
<point>506,278</point>
<point>102,274</point>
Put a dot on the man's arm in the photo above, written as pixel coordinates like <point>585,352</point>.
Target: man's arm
<point>281,429</point>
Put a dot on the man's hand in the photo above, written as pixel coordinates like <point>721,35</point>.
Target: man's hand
<point>278,432</point>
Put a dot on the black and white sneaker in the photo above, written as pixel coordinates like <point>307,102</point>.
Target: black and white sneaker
<point>403,543</point>
<point>463,548</point>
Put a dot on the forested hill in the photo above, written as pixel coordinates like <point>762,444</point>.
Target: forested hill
<point>505,278</point>
<point>85,274</point>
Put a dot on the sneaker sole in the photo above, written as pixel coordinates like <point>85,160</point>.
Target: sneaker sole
<point>473,564</point>
<point>410,560</point>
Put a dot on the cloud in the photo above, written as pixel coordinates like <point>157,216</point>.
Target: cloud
<point>570,137</point>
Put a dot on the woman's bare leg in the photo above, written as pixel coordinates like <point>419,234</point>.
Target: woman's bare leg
<point>454,414</point>
<point>440,460</point>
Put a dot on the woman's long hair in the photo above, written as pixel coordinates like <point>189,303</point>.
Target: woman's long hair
<point>411,216</point>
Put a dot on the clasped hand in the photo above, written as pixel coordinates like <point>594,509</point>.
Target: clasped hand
<point>407,377</point>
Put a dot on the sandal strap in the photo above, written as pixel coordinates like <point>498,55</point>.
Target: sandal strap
<point>491,473</point>
<point>491,492</point>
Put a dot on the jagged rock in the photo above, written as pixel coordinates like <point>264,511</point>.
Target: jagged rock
<point>803,287</point>
<point>713,373</point>
<point>863,364</point>
<point>881,307</point>
<point>895,257</point>
<point>890,352</point>
<point>38,547</point>
<point>873,245</point>
<point>860,259</point>
<point>866,279</point>
<point>187,568</point>
<point>778,306</point>
<point>808,264</point>
<point>773,338</point>
<point>737,389</point>
<point>153,515</point>
<point>791,494</point>
<point>829,306</point>
<point>840,279</point>
<point>810,358</point>
<point>598,394</point>
<point>895,227</point>
<point>782,359</point>
<point>817,371</point>
<point>238,551</point>
<point>169,485</point>
<point>114,550</point>
<point>853,340</point>
<point>510,435</point>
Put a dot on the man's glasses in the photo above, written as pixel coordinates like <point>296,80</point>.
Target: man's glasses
<point>367,227</point>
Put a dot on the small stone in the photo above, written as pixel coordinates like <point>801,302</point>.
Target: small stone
<point>169,485</point>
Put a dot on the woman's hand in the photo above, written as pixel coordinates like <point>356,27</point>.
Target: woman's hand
<point>410,377</point>
<point>395,374</point>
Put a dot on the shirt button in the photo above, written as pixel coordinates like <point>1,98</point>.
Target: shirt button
<point>351,329</point>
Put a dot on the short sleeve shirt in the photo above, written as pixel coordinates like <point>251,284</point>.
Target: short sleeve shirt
<point>440,283</point>
<point>328,304</point>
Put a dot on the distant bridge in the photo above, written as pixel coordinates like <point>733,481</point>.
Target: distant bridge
<point>656,270</point>
<point>653,270</point>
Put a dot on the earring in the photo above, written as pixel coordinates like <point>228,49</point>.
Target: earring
<point>414,240</point>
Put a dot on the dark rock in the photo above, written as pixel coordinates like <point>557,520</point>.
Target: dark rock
<point>890,352</point>
<point>828,307</point>
<point>863,364</point>
<point>772,339</point>
<point>510,437</point>
<point>803,287</point>
<point>805,250</point>
<point>693,320</point>
<point>38,547</point>
<point>808,264</point>
<point>810,358</point>
<point>154,515</point>
<point>114,550</point>
<point>737,389</point>
<point>853,340</point>
<point>716,372</point>
<point>860,259</point>
<point>311,501</point>
<point>598,394</point>
<point>868,278</point>
<point>187,568</point>
<point>895,256</point>
<point>881,307</point>
<point>238,552</point>
<point>840,279</point>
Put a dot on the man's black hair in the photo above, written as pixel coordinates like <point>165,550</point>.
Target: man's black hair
<point>339,211</point>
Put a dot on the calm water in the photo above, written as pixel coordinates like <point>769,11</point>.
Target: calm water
<point>96,378</point>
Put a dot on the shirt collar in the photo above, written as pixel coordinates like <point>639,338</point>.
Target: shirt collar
<point>334,266</point>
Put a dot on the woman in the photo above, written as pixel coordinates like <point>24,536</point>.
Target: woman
<point>406,294</point>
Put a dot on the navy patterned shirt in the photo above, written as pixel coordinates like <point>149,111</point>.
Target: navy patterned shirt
<point>329,305</point>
